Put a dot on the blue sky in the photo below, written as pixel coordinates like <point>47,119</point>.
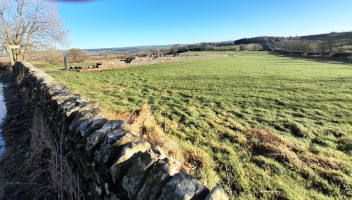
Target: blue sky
<point>122,23</point>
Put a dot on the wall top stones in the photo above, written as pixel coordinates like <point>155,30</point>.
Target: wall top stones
<point>112,162</point>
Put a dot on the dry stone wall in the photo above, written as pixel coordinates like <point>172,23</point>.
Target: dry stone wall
<point>112,163</point>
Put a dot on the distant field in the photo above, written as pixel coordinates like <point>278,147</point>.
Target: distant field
<point>205,53</point>
<point>60,65</point>
<point>261,125</point>
<point>347,48</point>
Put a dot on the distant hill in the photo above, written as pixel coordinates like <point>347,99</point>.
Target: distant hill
<point>125,49</point>
<point>328,36</point>
<point>257,40</point>
<point>325,36</point>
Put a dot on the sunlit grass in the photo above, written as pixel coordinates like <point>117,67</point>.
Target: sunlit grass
<point>206,53</point>
<point>261,125</point>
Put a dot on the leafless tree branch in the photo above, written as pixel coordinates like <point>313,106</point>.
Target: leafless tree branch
<point>32,24</point>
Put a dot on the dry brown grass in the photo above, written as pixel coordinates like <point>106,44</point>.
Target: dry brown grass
<point>272,145</point>
<point>269,144</point>
<point>268,136</point>
<point>196,160</point>
<point>111,115</point>
<point>145,125</point>
<point>47,152</point>
<point>330,163</point>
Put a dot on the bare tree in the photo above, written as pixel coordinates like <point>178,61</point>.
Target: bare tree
<point>208,47</point>
<point>257,47</point>
<point>339,44</point>
<point>155,51</point>
<point>31,24</point>
<point>165,51</point>
<point>322,46</point>
<point>330,44</point>
<point>175,48</point>
<point>76,55</point>
<point>307,46</point>
<point>53,56</point>
<point>243,47</point>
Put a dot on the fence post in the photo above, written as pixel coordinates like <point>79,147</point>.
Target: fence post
<point>65,60</point>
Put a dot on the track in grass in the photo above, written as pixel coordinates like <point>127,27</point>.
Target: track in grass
<point>261,125</point>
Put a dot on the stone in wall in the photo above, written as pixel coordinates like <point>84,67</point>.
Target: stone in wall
<point>125,158</point>
<point>160,174</point>
<point>103,135</point>
<point>111,145</point>
<point>80,118</point>
<point>139,171</point>
<point>89,126</point>
<point>183,187</point>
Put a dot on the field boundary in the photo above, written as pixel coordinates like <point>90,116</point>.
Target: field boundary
<point>148,60</point>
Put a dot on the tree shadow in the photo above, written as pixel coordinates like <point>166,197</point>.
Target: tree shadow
<point>321,60</point>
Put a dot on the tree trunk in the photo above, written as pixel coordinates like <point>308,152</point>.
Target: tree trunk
<point>10,55</point>
<point>18,54</point>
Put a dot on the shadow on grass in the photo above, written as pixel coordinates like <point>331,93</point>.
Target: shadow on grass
<point>58,71</point>
<point>321,60</point>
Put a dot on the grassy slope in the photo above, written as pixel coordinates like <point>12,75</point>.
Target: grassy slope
<point>205,53</point>
<point>48,67</point>
<point>262,125</point>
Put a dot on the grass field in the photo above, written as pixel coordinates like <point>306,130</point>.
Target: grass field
<point>60,65</point>
<point>261,125</point>
<point>206,53</point>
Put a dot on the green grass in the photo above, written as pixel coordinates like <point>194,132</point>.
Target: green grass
<point>59,65</point>
<point>263,126</point>
<point>347,48</point>
<point>207,53</point>
<point>227,48</point>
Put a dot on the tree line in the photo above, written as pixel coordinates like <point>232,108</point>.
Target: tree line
<point>319,46</point>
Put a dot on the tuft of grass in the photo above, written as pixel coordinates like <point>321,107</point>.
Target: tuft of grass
<point>298,129</point>
<point>345,144</point>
